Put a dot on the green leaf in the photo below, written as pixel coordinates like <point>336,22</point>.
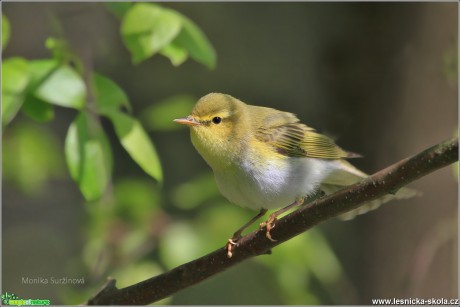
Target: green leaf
<point>147,28</point>
<point>5,31</point>
<point>34,107</point>
<point>10,107</point>
<point>40,70</point>
<point>137,143</point>
<point>195,42</point>
<point>88,155</point>
<point>159,116</point>
<point>109,96</point>
<point>176,54</point>
<point>38,109</point>
<point>119,9</point>
<point>16,76</point>
<point>64,87</point>
<point>15,79</point>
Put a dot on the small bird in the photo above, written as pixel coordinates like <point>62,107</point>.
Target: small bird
<point>263,159</point>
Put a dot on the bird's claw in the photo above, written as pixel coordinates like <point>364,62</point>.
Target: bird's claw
<point>233,242</point>
<point>269,225</point>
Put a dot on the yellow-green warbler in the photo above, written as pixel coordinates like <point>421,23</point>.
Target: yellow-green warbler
<point>264,159</point>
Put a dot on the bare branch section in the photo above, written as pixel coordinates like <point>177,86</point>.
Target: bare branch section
<point>383,182</point>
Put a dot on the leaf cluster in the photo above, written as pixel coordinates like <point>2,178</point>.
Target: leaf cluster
<point>36,87</point>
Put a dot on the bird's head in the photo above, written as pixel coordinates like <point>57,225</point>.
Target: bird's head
<point>217,124</point>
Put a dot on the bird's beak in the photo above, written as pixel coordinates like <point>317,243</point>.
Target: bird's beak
<point>189,121</point>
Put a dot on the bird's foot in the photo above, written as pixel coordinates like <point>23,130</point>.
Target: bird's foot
<point>231,245</point>
<point>269,225</point>
<point>233,242</point>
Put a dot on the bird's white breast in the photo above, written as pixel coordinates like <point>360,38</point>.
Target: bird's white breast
<point>272,183</point>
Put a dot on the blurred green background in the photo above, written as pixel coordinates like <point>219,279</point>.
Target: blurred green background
<point>381,78</point>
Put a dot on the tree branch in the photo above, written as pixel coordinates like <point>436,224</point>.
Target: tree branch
<point>383,182</point>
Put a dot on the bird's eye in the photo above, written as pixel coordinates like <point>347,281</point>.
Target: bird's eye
<point>216,120</point>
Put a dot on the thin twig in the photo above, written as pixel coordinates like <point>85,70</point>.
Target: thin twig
<point>383,182</point>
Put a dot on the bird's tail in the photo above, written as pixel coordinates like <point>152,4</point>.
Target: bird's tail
<point>345,175</point>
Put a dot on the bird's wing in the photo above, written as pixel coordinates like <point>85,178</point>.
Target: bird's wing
<point>294,139</point>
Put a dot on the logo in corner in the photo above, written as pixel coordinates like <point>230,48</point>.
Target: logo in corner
<point>12,299</point>
<point>6,297</point>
